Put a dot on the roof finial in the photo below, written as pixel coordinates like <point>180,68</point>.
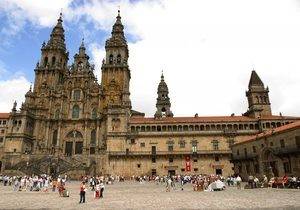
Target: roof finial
<point>82,42</point>
<point>162,75</point>
<point>60,14</point>
<point>119,10</point>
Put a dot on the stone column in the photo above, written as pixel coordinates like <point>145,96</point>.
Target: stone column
<point>85,138</point>
<point>58,135</point>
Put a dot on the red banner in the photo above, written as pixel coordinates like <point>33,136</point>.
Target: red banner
<point>188,163</point>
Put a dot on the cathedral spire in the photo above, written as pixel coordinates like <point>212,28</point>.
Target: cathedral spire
<point>258,97</point>
<point>117,35</point>
<point>255,80</point>
<point>81,59</point>
<point>57,36</point>
<point>163,103</point>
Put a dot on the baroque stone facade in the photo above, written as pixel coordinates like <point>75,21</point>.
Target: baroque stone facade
<point>70,123</point>
<point>275,152</point>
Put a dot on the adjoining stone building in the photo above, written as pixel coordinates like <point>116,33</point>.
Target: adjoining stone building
<point>3,126</point>
<point>71,123</point>
<point>275,152</point>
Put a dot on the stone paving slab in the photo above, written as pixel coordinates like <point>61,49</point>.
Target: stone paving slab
<point>132,195</point>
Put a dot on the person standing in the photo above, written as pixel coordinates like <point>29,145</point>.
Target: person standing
<point>101,189</point>
<point>82,192</point>
<point>238,182</point>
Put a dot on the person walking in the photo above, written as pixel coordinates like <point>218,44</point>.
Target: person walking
<point>82,192</point>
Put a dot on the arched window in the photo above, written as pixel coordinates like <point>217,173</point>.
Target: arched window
<point>265,99</point>
<point>94,113</point>
<point>56,115</point>
<point>119,58</point>
<point>53,61</point>
<point>93,137</point>
<point>75,111</point>
<point>45,61</point>
<point>111,59</point>
<point>54,138</point>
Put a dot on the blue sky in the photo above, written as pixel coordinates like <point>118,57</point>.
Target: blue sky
<point>207,49</point>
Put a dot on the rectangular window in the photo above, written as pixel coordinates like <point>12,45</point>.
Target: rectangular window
<point>182,170</point>
<point>4,122</point>
<point>1,140</point>
<point>92,150</point>
<point>143,144</point>
<point>76,95</point>
<point>282,144</point>
<point>139,165</point>
<point>195,169</point>
<point>78,147</point>
<point>254,149</point>
<point>182,144</point>
<point>170,148</point>
<point>132,141</point>
<point>69,148</point>
<point>171,159</point>
<point>127,151</point>
<point>153,159</point>
<point>153,150</point>
<point>195,160</point>
<point>215,144</point>
<point>297,138</point>
<point>2,131</point>
<point>194,148</point>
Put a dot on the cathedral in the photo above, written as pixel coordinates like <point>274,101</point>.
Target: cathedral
<point>71,123</point>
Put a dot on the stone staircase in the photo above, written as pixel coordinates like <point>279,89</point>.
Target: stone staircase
<point>51,164</point>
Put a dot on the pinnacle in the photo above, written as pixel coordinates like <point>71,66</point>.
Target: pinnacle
<point>255,80</point>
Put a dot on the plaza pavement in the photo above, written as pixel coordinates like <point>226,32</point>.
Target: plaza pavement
<point>133,195</point>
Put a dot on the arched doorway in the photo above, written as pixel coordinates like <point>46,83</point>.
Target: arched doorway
<point>74,143</point>
<point>270,163</point>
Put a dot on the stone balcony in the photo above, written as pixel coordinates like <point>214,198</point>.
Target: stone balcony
<point>162,153</point>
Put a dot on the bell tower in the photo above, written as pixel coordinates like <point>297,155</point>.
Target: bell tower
<point>163,104</point>
<point>115,70</point>
<point>258,98</point>
<point>52,66</point>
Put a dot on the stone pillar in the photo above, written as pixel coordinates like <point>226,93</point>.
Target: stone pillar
<point>85,143</point>
<point>58,135</point>
<point>47,135</point>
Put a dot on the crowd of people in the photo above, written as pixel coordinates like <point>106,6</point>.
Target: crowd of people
<point>36,183</point>
<point>274,182</point>
<point>96,184</point>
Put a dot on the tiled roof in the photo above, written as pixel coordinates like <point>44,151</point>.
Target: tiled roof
<point>4,115</point>
<point>270,132</point>
<point>151,120</point>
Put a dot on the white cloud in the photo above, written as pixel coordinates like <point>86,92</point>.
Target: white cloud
<point>13,90</point>
<point>206,48</point>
